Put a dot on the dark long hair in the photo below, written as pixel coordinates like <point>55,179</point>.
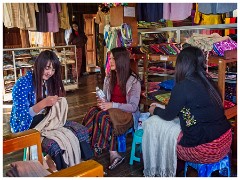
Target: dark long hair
<point>79,29</point>
<point>54,83</point>
<point>123,70</point>
<point>191,62</point>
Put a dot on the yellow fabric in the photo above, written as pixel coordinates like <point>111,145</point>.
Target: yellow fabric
<point>207,19</point>
<point>63,17</point>
<point>227,21</point>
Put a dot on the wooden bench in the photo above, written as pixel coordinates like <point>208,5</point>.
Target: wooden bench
<point>17,141</point>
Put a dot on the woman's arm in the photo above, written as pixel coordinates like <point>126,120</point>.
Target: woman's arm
<point>48,101</point>
<point>23,98</point>
<point>176,103</point>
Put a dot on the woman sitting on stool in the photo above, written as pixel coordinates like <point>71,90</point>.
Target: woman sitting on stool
<point>114,115</point>
<point>198,130</point>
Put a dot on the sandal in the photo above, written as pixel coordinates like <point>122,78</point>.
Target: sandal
<point>115,162</point>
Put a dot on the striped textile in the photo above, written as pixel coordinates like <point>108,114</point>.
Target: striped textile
<point>100,129</point>
<point>208,152</point>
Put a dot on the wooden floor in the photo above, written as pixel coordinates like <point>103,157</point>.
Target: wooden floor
<point>79,102</point>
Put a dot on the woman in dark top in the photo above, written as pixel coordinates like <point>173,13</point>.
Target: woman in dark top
<point>205,135</point>
<point>79,39</point>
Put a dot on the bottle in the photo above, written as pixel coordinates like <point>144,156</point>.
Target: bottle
<point>100,93</point>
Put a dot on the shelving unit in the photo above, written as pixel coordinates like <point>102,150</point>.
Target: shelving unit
<point>66,55</point>
<point>178,30</point>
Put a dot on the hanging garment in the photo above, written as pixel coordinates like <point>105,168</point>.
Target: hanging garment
<point>216,8</point>
<point>52,17</point>
<point>7,15</point>
<point>102,19</point>
<point>29,15</point>
<point>63,17</point>
<point>67,34</point>
<point>176,11</point>
<point>149,12</point>
<point>12,17</point>
<point>208,19</point>
<point>41,17</point>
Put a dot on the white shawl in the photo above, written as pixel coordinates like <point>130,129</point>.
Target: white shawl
<point>159,144</point>
<point>52,127</point>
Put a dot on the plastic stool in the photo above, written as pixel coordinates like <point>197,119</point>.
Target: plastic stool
<point>26,152</point>
<point>122,140</point>
<point>137,139</point>
<point>205,170</point>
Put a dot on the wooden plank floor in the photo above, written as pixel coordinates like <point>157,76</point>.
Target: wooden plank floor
<point>79,102</point>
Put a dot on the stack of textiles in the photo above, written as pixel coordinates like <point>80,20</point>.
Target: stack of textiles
<point>144,24</point>
<point>230,92</point>
<point>161,96</point>
<point>228,104</point>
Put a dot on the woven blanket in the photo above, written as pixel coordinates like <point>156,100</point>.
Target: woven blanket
<point>159,144</point>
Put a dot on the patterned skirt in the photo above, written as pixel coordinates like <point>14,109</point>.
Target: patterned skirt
<point>206,153</point>
<point>51,147</point>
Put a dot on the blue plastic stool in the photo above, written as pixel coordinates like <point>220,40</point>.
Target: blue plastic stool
<point>122,140</point>
<point>205,170</point>
<point>137,139</point>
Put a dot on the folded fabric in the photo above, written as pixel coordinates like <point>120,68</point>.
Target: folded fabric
<point>27,169</point>
<point>152,95</point>
<point>121,121</point>
<point>222,46</point>
<point>163,98</point>
<point>168,84</point>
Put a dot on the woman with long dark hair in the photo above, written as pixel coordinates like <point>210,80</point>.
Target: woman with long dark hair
<point>118,111</point>
<point>79,39</point>
<point>34,95</point>
<point>198,128</point>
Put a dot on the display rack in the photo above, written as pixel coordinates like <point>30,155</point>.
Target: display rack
<point>178,30</point>
<point>67,57</point>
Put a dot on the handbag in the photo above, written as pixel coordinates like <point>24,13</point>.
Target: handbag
<point>222,46</point>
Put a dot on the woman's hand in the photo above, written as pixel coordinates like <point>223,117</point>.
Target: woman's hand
<point>151,109</point>
<point>48,101</point>
<point>158,105</point>
<point>105,105</point>
<point>51,100</point>
<point>153,106</point>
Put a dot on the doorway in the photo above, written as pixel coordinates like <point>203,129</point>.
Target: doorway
<point>90,48</point>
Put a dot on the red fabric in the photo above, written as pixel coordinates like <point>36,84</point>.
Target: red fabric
<point>76,32</point>
<point>232,20</point>
<point>206,153</point>
<point>117,95</point>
